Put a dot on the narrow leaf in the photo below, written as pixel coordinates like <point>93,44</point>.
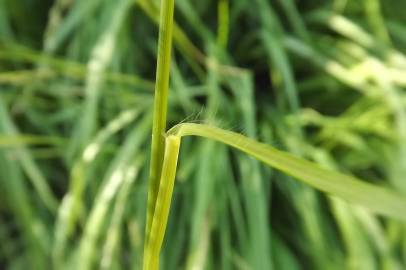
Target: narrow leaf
<point>378,199</point>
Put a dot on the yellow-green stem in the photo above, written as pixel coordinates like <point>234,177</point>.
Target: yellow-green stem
<point>160,219</point>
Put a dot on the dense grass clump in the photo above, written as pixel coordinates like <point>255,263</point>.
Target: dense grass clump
<point>278,134</point>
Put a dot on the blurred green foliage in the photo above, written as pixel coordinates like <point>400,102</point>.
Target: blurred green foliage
<point>324,80</point>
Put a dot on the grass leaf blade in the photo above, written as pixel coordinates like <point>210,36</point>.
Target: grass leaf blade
<point>378,199</point>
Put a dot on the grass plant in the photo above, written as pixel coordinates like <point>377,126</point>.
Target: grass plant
<point>278,134</point>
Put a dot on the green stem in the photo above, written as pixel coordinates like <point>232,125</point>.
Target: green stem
<point>160,107</point>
